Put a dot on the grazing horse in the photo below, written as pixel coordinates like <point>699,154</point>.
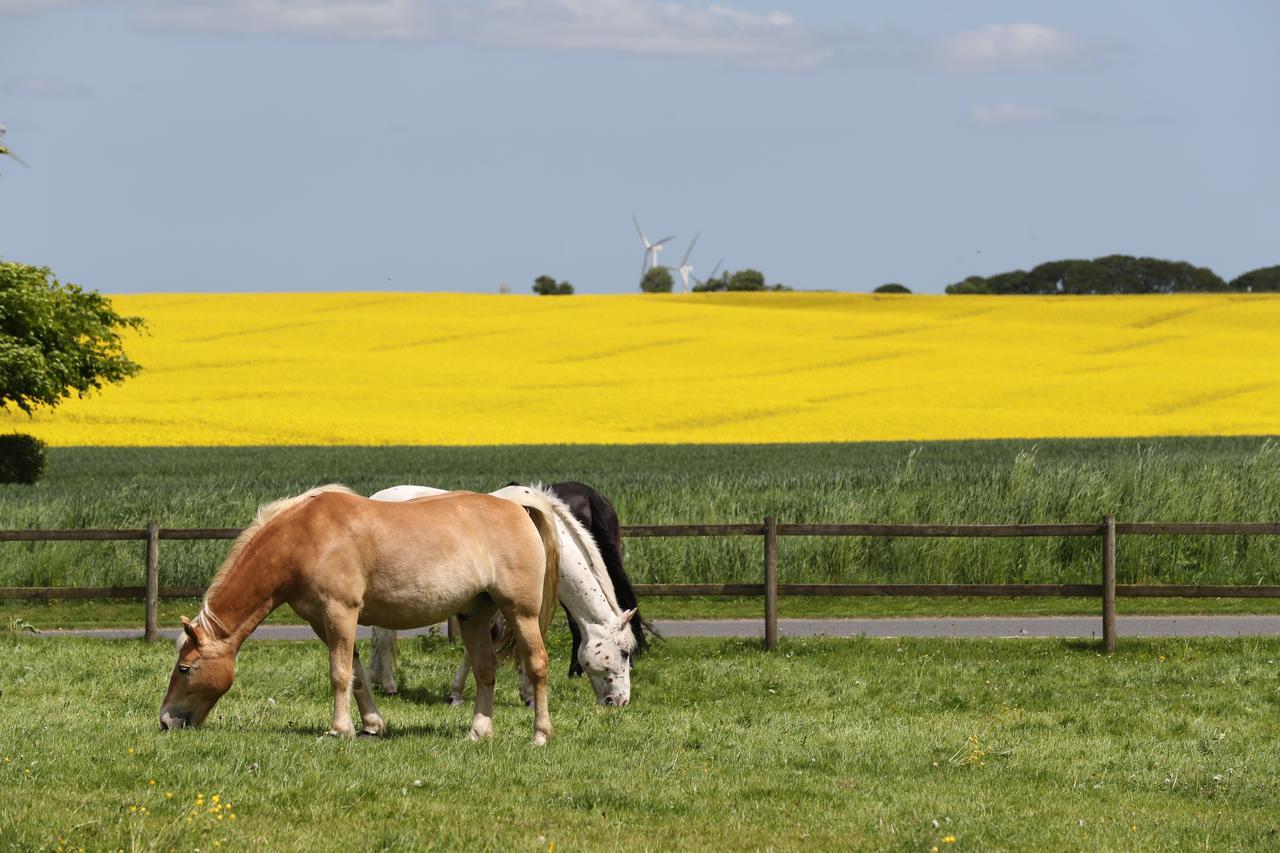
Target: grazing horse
<point>584,590</point>
<point>339,560</point>
<point>596,513</point>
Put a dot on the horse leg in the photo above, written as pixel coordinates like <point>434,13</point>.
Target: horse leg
<point>382,660</point>
<point>373,722</point>
<point>459,684</point>
<point>575,668</point>
<point>475,635</point>
<point>339,632</point>
<point>533,654</point>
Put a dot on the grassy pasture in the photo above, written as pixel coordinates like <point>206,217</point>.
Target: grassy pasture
<point>1202,479</point>
<point>861,744</point>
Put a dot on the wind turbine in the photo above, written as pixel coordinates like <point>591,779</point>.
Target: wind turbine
<point>651,250</point>
<point>715,270</point>
<point>685,267</point>
<point>4,150</point>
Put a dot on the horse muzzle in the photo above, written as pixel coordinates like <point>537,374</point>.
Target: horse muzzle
<point>173,721</point>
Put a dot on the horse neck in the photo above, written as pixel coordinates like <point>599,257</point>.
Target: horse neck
<point>250,590</point>
<point>579,590</point>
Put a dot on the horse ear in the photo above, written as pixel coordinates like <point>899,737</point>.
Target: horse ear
<point>626,617</point>
<point>192,631</point>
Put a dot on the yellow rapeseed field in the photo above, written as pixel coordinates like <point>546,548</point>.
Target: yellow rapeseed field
<point>396,368</point>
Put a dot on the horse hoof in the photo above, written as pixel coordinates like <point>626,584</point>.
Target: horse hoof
<point>453,701</point>
<point>539,739</point>
<point>368,733</point>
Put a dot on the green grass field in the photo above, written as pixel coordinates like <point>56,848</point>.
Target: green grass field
<point>1209,479</point>
<point>860,744</point>
<point>129,614</point>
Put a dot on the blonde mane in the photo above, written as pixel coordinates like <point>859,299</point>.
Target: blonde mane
<point>265,513</point>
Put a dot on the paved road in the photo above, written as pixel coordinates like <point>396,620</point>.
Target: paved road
<point>961,626</point>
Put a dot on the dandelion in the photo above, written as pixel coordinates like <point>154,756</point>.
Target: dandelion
<point>168,795</point>
<point>948,839</point>
<point>151,782</point>
<point>131,750</point>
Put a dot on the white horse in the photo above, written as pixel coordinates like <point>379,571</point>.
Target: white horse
<point>584,589</point>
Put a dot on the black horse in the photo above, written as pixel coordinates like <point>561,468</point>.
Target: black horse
<point>596,513</point>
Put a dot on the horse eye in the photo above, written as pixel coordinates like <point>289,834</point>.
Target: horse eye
<point>184,669</point>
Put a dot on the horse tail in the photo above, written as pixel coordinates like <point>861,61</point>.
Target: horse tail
<point>543,517</point>
<point>607,532</point>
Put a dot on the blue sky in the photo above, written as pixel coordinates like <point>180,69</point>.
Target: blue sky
<point>271,145</point>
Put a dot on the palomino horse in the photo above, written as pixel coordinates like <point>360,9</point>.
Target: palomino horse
<point>339,560</point>
<point>585,591</point>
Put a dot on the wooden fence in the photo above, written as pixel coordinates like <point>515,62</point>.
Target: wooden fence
<point>1106,531</point>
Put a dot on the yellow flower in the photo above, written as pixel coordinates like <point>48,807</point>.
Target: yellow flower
<point>131,750</point>
<point>869,368</point>
<point>948,839</point>
<point>151,781</point>
<point>215,798</point>
<point>168,795</point>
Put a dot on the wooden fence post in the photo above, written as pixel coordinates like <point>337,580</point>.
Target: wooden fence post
<point>152,632</point>
<point>770,583</point>
<point>1109,584</point>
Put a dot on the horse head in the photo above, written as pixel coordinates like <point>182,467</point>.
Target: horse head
<point>605,656</point>
<point>204,672</point>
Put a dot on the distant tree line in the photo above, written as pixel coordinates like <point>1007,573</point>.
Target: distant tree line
<point>747,279</point>
<point>1118,274</point>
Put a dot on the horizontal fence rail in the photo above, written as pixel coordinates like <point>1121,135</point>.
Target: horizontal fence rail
<point>1107,531</point>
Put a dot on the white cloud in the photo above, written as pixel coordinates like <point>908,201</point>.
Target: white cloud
<point>1009,112</point>
<point>47,86</point>
<point>644,27</point>
<point>1015,47</point>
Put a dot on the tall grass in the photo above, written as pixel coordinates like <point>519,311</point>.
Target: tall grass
<point>1202,479</point>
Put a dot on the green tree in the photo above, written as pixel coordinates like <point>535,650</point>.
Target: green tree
<point>747,279</point>
<point>56,338</point>
<point>545,285</point>
<point>657,280</point>
<point>892,287</point>
<point>1109,274</point>
<point>972,284</point>
<point>712,284</point>
<point>1262,280</point>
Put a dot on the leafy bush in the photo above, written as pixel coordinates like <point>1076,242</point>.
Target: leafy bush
<point>22,458</point>
<point>892,287</point>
